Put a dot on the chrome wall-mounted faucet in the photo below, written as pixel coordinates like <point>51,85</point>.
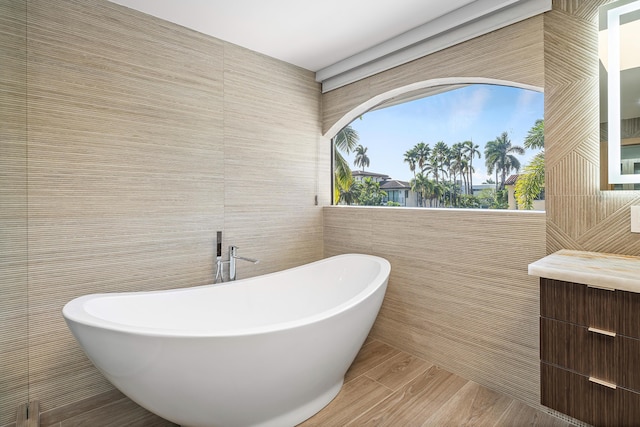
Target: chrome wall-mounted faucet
<point>233,256</point>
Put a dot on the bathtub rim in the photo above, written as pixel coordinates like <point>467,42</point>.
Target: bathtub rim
<point>74,312</point>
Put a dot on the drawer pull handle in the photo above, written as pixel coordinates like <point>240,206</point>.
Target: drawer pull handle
<point>602,332</point>
<point>604,288</point>
<point>604,383</point>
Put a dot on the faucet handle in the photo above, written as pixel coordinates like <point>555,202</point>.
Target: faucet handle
<point>233,251</point>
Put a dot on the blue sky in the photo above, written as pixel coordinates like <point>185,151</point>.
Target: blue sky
<point>479,113</point>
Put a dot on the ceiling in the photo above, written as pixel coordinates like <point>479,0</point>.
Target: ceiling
<point>312,35</point>
<point>319,35</point>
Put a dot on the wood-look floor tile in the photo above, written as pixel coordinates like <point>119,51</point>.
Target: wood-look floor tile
<point>414,403</point>
<point>385,387</point>
<point>398,370</point>
<point>521,415</point>
<point>355,397</point>
<point>151,420</point>
<point>54,417</point>
<point>473,406</point>
<point>123,412</point>
<point>371,355</point>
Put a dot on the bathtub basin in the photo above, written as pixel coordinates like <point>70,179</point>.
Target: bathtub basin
<point>266,351</point>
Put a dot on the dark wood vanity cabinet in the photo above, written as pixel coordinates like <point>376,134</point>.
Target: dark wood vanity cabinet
<point>590,352</point>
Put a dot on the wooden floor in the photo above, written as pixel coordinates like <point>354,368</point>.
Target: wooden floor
<point>383,387</point>
<point>387,387</point>
<point>117,413</point>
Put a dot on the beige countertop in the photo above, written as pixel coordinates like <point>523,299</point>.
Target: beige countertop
<point>596,269</point>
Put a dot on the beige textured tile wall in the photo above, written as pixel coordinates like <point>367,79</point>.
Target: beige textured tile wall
<point>13,209</point>
<point>579,215</point>
<point>125,170</point>
<point>144,139</point>
<point>272,142</point>
<point>459,294</point>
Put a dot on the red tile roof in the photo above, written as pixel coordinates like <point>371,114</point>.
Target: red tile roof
<point>511,180</point>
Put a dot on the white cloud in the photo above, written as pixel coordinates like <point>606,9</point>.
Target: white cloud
<point>525,101</point>
<point>466,109</point>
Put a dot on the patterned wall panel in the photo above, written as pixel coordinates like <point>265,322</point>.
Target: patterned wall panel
<point>13,209</point>
<point>579,214</point>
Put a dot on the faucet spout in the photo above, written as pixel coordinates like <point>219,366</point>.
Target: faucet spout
<point>233,256</point>
<point>252,260</point>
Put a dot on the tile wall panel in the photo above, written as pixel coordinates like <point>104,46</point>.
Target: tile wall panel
<point>144,139</point>
<point>459,294</point>
<point>125,170</point>
<point>13,210</point>
<point>273,148</point>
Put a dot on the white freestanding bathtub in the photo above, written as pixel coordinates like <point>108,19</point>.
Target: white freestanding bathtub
<point>266,351</point>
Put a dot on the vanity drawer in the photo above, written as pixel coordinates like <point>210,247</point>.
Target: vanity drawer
<point>581,398</point>
<point>601,308</point>
<point>579,304</point>
<point>576,396</point>
<point>612,359</point>
<point>576,348</point>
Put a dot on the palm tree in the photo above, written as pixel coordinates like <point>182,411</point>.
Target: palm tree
<point>344,142</point>
<point>470,150</point>
<point>422,152</point>
<point>531,183</point>
<point>535,137</point>
<point>438,161</point>
<point>370,193</point>
<point>361,157</point>
<point>499,158</point>
<point>437,192</point>
<point>492,159</point>
<point>350,195</point>
<point>457,164</point>
<point>421,185</point>
<point>410,156</point>
<point>450,160</point>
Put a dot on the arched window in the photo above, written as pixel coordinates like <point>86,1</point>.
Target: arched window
<point>462,144</point>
